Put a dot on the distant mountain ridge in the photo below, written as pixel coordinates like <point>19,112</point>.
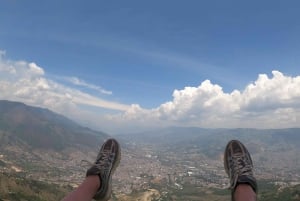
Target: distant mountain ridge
<point>42,128</point>
<point>172,135</point>
<point>213,141</point>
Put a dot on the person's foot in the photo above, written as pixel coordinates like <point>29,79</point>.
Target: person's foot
<point>107,161</point>
<point>238,165</point>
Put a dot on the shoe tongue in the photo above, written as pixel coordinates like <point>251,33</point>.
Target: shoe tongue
<point>236,148</point>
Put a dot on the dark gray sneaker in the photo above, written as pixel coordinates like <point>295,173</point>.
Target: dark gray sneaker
<point>238,165</point>
<point>106,163</point>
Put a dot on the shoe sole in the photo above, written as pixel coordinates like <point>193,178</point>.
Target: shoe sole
<point>118,158</point>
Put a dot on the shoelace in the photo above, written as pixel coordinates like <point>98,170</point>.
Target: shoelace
<point>239,166</point>
<point>103,162</point>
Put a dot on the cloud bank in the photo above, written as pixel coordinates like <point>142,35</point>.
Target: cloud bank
<point>27,82</point>
<point>268,102</point>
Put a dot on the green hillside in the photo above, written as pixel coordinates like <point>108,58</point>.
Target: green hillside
<point>42,128</point>
<point>17,188</point>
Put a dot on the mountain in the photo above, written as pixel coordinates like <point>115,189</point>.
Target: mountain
<point>41,145</point>
<point>42,128</point>
<point>206,139</point>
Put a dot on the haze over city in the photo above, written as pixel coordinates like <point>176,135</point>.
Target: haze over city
<point>132,65</point>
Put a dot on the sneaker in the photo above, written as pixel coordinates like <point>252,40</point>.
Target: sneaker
<point>106,163</point>
<point>238,165</point>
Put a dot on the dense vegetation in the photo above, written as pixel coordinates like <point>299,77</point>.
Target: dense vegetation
<point>271,192</point>
<point>16,188</point>
<point>267,192</point>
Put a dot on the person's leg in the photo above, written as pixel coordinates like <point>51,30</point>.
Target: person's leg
<point>85,191</point>
<point>97,184</point>
<point>239,167</point>
<point>244,192</point>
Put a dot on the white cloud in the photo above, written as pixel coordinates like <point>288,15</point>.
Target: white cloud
<point>79,82</point>
<point>280,91</point>
<point>28,83</point>
<point>35,69</point>
<point>266,103</point>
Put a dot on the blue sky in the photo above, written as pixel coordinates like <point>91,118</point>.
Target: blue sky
<point>136,54</point>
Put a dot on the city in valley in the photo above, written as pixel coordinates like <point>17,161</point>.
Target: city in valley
<point>152,169</point>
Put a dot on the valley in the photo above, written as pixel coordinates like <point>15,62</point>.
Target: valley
<point>162,165</point>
